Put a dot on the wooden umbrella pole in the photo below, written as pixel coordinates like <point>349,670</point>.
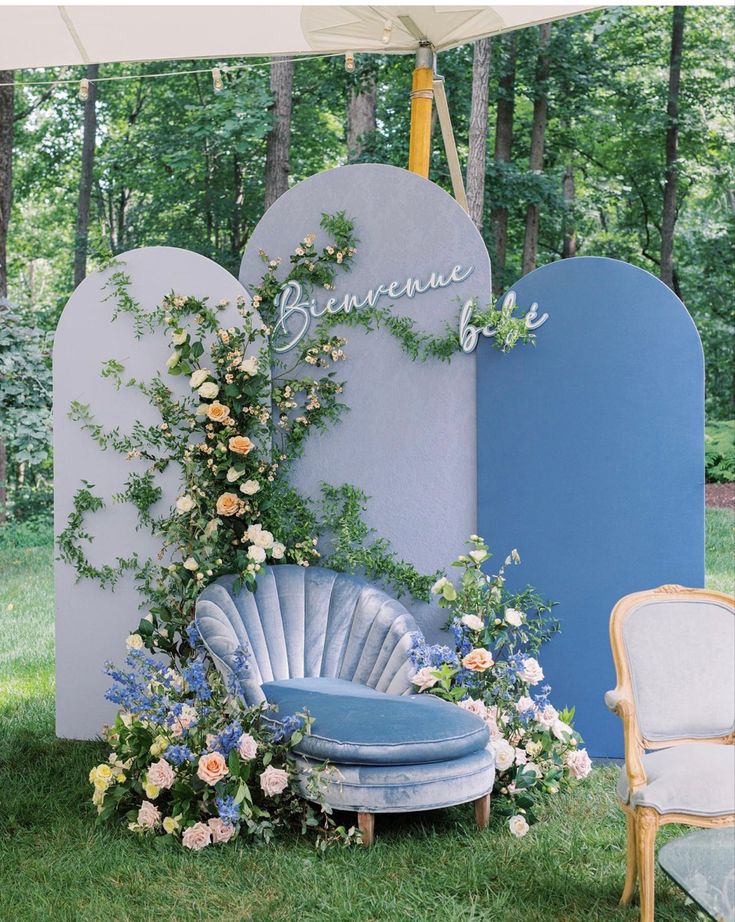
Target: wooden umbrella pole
<point>422,95</point>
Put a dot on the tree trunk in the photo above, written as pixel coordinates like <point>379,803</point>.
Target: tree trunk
<point>477,153</point>
<point>536,159</point>
<point>278,147</point>
<point>569,245</point>
<point>668,218</point>
<point>503,147</point>
<point>7,102</point>
<point>81,236</point>
<point>361,116</point>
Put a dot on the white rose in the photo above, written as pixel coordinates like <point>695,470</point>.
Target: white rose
<point>191,564</point>
<point>179,337</point>
<point>473,622</point>
<point>424,678</point>
<point>184,504</point>
<point>208,390</point>
<point>172,359</point>
<point>514,617</point>
<point>531,671</point>
<point>134,642</point>
<point>525,704</point>
<point>249,487</point>
<point>250,366</point>
<point>199,377</point>
<point>439,585</point>
<point>561,730</point>
<point>518,826</point>
<point>278,550</point>
<point>258,535</point>
<point>479,555</point>
<point>505,754</point>
<point>256,553</point>
<point>232,475</point>
<point>211,527</point>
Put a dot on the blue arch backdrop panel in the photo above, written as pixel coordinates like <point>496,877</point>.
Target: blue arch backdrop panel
<point>591,461</point>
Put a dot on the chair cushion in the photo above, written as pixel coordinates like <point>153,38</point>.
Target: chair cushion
<point>401,788</point>
<point>694,778</point>
<point>354,724</point>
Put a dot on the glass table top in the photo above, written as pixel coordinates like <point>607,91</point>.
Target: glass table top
<point>702,863</point>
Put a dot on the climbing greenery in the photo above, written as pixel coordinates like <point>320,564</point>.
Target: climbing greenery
<point>234,431</point>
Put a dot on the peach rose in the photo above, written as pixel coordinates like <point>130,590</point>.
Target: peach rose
<point>221,832</point>
<point>196,837</point>
<point>161,774</point>
<point>212,767</point>
<point>218,412</point>
<point>241,445</point>
<point>228,504</point>
<point>273,781</point>
<point>148,815</point>
<point>478,660</point>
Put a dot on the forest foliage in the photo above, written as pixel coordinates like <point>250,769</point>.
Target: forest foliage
<point>177,164</point>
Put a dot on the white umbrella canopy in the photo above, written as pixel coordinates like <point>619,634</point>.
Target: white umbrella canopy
<point>46,36</point>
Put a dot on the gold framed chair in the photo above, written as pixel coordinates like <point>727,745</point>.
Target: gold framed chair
<point>674,654</point>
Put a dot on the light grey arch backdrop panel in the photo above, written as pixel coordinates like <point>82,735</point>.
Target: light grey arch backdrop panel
<point>91,623</point>
<point>409,438</point>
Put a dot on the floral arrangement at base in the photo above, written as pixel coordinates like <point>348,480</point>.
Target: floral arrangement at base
<point>190,763</point>
<point>494,672</point>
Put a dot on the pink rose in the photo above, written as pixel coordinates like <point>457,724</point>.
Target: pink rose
<point>474,707</point>
<point>273,781</point>
<point>578,763</point>
<point>547,717</point>
<point>148,815</point>
<point>196,837</point>
<point>221,832</point>
<point>520,756</point>
<point>184,720</point>
<point>247,747</point>
<point>212,767</point>
<point>161,774</point>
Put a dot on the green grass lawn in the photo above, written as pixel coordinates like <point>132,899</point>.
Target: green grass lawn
<point>57,864</point>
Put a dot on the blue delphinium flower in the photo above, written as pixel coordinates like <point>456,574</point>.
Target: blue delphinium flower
<point>285,728</point>
<point>422,654</point>
<point>193,636</point>
<point>196,678</point>
<point>178,754</point>
<point>226,740</point>
<point>228,810</point>
<point>461,641</point>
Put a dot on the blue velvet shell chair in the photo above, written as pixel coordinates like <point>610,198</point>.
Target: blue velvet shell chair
<point>312,639</point>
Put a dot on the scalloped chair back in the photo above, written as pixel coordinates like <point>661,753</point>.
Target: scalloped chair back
<point>306,622</point>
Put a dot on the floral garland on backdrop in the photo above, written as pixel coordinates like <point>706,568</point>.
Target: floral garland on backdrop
<point>186,753</point>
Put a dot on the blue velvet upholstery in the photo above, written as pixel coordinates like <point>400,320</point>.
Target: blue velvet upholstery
<point>358,725</point>
<point>311,639</point>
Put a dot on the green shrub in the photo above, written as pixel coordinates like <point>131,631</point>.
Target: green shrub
<point>719,451</point>
<point>35,531</point>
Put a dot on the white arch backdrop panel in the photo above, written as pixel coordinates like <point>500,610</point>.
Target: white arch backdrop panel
<point>409,438</point>
<point>91,623</point>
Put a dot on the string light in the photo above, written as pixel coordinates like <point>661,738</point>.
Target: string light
<point>387,30</point>
<point>217,80</point>
<point>84,89</point>
<point>349,62</point>
<point>171,73</point>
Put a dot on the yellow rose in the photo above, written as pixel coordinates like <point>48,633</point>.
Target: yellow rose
<point>241,445</point>
<point>151,790</point>
<point>120,778</point>
<point>228,504</point>
<point>478,660</point>
<point>171,824</point>
<point>218,412</point>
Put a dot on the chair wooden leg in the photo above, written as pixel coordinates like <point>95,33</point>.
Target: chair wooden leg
<point>366,824</point>
<point>482,811</point>
<point>631,873</point>
<point>645,834</point>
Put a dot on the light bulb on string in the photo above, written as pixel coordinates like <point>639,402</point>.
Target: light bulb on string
<point>349,62</point>
<point>387,30</point>
<point>217,80</point>
<point>84,89</point>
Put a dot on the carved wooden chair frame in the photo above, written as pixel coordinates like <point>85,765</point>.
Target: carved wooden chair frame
<point>643,822</point>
